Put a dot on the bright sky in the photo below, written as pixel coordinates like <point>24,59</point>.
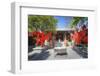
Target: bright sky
<point>63,21</point>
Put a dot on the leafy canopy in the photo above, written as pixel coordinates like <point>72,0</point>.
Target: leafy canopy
<point>43,23</point>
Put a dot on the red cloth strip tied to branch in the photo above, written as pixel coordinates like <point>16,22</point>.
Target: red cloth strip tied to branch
<point>41,37</point>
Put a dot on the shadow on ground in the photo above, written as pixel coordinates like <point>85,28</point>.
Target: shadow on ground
<point>43,55</point>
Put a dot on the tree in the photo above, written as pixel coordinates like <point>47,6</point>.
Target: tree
<point>43,23</point>
<point>76,20</point>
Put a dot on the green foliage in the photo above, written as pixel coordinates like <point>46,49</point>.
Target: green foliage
<point>44,23</point>
<point>76,20</point>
